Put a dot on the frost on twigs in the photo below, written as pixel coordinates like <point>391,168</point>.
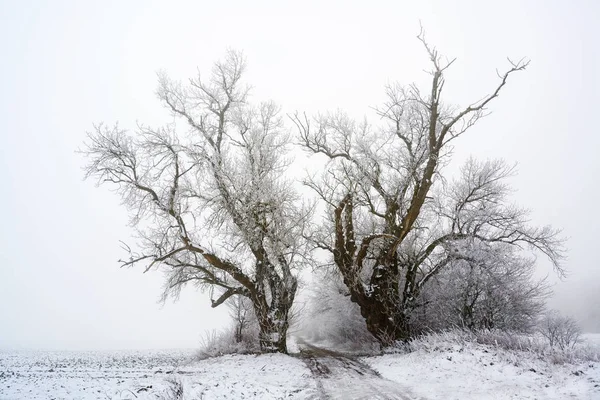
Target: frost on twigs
<point>560,331</point>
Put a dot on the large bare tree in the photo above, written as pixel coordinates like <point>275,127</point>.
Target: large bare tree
<point>393,221</point>
<point>210,203</point>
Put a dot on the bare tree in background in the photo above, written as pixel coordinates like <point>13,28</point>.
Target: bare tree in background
<point>560,331</point>
<point>393,221</point>
<point>240,311</point>
<point>211,205</point>
<point>495,290</point>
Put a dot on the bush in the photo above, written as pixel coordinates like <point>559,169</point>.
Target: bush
<point>560,331</point>
<point>499,292</point>
<point>215,344</point>
<point>512,343</point>
<point>174,391</point>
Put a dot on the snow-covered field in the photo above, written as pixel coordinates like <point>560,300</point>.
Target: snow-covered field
<point>592,338</point>
<point>446,371</point>
<point>150,375</point>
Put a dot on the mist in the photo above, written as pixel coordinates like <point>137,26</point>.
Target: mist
<point>67,65</point>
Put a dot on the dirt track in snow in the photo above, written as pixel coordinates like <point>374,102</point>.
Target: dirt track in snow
<point>340,376</point>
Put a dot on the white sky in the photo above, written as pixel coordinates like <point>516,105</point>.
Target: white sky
<point>68,64</point>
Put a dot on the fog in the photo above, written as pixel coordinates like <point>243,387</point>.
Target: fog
<point>69,64</point>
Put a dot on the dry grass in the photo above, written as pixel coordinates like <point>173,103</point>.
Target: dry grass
<point>512,343</point>
<point>215,344</point>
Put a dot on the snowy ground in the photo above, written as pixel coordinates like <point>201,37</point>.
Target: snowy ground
<point>138,375</point>
<point>341,377</point>
<point>447,371</point>
<point>474,371</point>
<point>592,338</point>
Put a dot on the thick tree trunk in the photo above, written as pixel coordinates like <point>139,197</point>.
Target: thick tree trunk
<point>273,337</point>
<point>382,307</point>
<point>386,315</point>
<point>273,319</point>
<point>273,326</point>
<point>387,325</point>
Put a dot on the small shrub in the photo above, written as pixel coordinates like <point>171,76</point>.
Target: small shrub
<point>215,344</point>
<point>513,344</point>
<point>174,391</point>
<point>560,331</point>
<point>509,340</point>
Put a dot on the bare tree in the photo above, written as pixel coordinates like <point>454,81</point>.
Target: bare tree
<point>240,311</point>
<point>560,330</point>
<point>212,206</point>
<point>496,290</point>
<point>393,222</point>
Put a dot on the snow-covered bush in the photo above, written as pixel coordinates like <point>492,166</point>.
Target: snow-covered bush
<point>512,345</point>
<point>215,344</point>
<point>560,330</point>
<point>240,337</point>
<point>494,289</point>
<point>510,340</point>
<point>174,391</point>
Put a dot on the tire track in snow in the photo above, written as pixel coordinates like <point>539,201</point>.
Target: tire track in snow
<point>342,377</point>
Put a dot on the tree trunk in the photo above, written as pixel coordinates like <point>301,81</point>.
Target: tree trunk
<point>272,337</point>
<point>239,332</point>
<point>273,326</point>
<point>273,320</point>
<point>387,325</point>
<point>384,311</point>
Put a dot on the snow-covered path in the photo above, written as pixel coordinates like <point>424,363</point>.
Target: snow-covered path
<point>340,376</point>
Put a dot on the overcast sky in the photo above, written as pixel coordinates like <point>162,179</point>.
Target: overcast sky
<point>68,64</point>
